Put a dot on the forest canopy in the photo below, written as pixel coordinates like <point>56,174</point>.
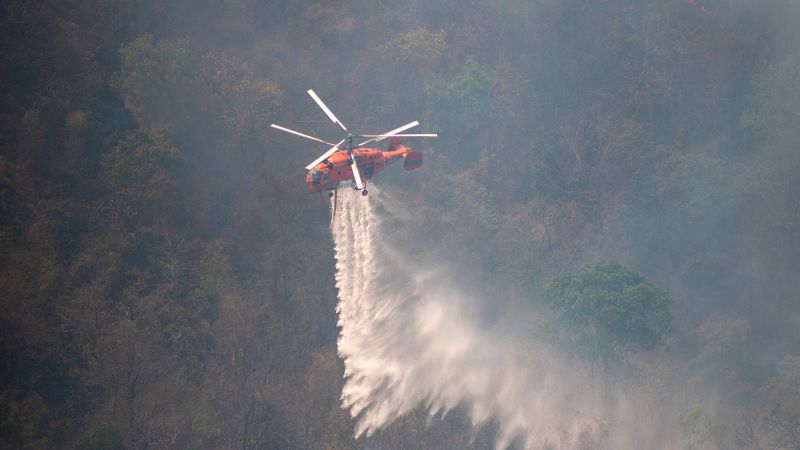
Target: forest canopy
<point>166,283</point>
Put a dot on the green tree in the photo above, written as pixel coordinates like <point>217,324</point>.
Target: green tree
<point>240,100</point>
<point>698,427</point>
<point>461,106</point>
<point>773,108</point>
<point>780,408</point>
<point>146,394</point>
<point>138,169</point>
<point>102,436</point>
<point>418,47</point>
<point>470,89</point>
<point>771,169</point>
<point>154,77</point>
<point>608,311</point>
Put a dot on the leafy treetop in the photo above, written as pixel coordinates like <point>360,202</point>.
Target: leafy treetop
<point>608,310</point>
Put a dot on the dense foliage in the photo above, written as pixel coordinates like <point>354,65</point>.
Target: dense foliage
<point>607,311</point>
<point>165,282</point>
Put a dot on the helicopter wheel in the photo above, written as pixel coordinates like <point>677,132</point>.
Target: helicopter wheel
<point>330,194</point>
<point>364,192</point>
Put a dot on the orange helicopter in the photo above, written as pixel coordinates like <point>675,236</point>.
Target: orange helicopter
<point>345,161</point>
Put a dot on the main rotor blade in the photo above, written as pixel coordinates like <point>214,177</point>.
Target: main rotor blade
<point>325,155</point>
<point>390,133</point>
<point>399,135</point>
<point>297,133</point>
<point>325,109</point>
<point>357,175</point>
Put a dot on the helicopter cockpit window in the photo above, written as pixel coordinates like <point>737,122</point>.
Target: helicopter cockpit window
<point>369,170</point>
<point>315,174</point>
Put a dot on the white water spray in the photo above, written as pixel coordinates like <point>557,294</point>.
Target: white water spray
<point>411,336</point>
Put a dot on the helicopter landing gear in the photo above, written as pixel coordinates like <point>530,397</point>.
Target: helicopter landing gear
<point>364,192</point>
<point>330,194</point>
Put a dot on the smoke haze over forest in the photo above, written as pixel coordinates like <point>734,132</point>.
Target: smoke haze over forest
<point>601,251</point>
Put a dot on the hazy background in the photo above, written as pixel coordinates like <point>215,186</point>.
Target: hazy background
<point>166,282</point>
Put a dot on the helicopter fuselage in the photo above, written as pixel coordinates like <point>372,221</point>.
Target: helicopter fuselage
<point>335,169</point>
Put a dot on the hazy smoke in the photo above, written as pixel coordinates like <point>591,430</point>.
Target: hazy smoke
<point>412,336</point>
